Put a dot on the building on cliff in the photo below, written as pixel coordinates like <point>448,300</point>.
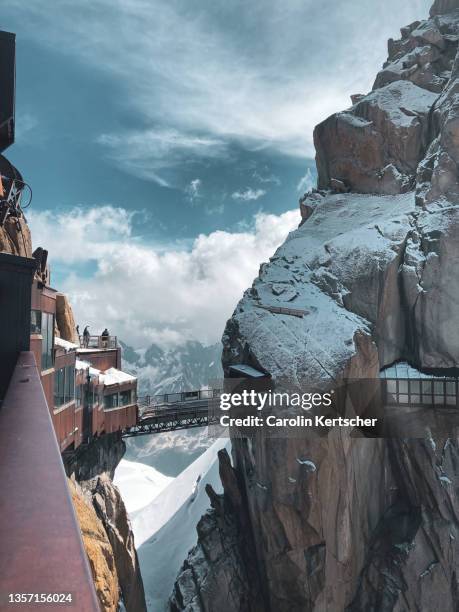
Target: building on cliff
<point>56,396</point>
<point>85,401</point>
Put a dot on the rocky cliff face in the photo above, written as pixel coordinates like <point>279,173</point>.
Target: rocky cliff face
<point>98,549</point>
<point>338,522</point>
<point>65,321</point>
<point>15,237</point>
<point>221,572</point>
<point>93,469</point>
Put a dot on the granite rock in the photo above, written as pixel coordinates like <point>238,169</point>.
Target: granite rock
<point>374,266</point>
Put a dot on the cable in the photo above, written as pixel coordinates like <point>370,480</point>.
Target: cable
<point>24,184</point>
<point>24,206</point>
<point>18,208</point>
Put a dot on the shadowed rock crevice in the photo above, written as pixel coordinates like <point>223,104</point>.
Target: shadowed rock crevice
<point>93,467</point>
<point>221,571</point>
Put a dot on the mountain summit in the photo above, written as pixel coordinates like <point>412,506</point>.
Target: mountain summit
<point>188,367</point>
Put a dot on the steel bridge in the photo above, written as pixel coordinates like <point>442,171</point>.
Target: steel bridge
<point>185,409</point>
<point>171,411</point>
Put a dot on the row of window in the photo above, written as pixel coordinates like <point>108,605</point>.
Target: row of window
<point>64,386</point>
<point>116,400</point>
<point>43,323</point>
<point>35,322</point>
<point>427,392</point>
<point>66,391</point>
<point>91,397</point>
<point>64,380</point>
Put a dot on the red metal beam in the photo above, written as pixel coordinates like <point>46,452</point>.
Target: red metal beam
<point>41,550</point>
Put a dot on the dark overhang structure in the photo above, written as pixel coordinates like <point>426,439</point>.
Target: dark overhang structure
<point>8,88</point>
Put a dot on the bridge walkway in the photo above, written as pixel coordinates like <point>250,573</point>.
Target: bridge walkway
<point>172,411</point>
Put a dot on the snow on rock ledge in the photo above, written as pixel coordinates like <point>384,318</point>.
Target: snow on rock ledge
<point>342,264</point>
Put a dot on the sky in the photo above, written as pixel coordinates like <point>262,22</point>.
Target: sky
<point>167,142</point>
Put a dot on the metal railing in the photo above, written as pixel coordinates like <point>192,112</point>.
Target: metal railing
<point>98,342</point>
<point>170,420</point>
<point>173,399</point>
<point>171,411</point>
<point>31,471</point>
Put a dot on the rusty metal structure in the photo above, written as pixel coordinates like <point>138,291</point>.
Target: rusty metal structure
<point>56,397</point>
<point>172,411</point>
<point>50,402</point>
<point>38,527</point>
<point>42,551</point>
<point>16,274</point>
<point>8,81</point>
<point>79,382</point>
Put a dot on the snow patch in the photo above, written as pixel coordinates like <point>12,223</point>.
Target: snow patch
<point>165,529</point>
<point>139,484</point>
<point>310,465</point>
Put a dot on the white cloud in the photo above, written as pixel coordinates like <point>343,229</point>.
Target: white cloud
<point>262,73</point>
<point>144,293</point>
<point>81,235</point>
<point>248,194</point>
<point>307,182</point>
<point>147,153</point>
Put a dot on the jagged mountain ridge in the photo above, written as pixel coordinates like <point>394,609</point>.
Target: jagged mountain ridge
<point>186,367</point>
<point>374,527</point>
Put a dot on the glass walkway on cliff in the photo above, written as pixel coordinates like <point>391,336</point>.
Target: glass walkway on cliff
<point>407,386</point>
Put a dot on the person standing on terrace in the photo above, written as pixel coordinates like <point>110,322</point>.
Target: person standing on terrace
<point>86,336</point>
<point>105,336</point>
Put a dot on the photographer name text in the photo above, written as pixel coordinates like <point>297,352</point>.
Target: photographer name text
<point>305,401</point>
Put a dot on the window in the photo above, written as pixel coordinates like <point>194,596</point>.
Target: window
<point>64,386</point>
<point>111,401</point>
<point>69,383</point>
<point>35,322</point>
<point>427,387</point>
<point>78,395</point>
<point>425,392</point>
<point>451,392</point>
<point>126,398</point>
<point>439,388</point>
<point>403,386</point>
<point>59,387</point>
<point>47,333</point>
